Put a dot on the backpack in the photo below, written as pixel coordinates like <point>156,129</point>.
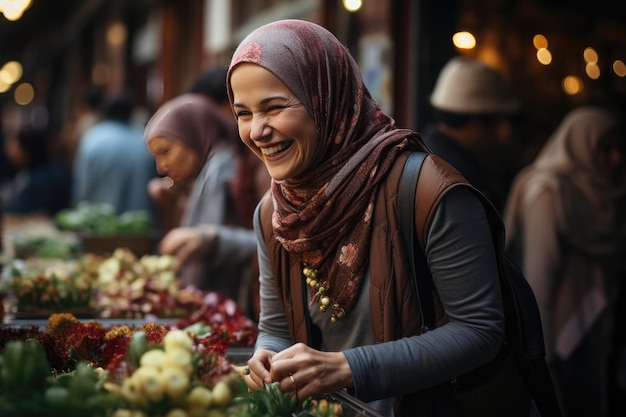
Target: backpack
<point>524,332</point>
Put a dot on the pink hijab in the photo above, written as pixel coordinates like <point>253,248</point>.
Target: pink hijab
<point>591,208</point>
<point>358,144</point>
<point>193,120</point>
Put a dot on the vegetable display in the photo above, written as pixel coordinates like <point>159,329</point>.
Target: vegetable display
<point>100,219</point>
<point>75,369</point>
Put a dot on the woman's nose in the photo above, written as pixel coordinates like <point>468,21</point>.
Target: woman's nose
<point>259,128</point>
<point>160,167</point>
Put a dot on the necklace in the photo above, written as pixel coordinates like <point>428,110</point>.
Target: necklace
<point>318,291</point>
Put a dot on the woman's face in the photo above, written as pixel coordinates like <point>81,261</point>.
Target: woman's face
<point>174,159</point>
<point>272,122</point>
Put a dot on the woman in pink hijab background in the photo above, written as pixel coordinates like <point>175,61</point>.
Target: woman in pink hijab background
<point>566,222</point>
<point>194,144</point>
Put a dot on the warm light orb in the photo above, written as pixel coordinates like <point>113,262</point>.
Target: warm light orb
<point>544,56</point>
<point>4,87</point>
<point>12,14</point>
<point>572,85</point>
<point>619,68</point>
<point>590,55</point>
<point>540,42</point>
<point>593,70</point>
<point>116,34</point>
<point>352,5</point>
<point>14,9</point>
<point>464,40</point>
<point>11,72</point>
<point>24,94</point>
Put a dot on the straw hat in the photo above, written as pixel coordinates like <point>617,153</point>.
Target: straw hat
<point>470,87</point>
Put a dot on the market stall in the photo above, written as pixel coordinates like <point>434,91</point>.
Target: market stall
<point>83,324</point>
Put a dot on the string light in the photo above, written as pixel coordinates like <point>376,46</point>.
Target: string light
<point>590,55</point>
<point>593,70</point>
<point>352,5</point>
<point>619,68</point>
<point>572,85</point>
<point>11,72</point>
<point>464,40</point>
<point>14,9</point>
<point>544,56</point>
<point>540,41</point>
<point>24,94</point>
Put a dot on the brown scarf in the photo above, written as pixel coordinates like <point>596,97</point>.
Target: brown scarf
<point>323,216</point>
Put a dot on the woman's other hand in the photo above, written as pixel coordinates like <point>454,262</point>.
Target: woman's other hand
<point>307,372</point>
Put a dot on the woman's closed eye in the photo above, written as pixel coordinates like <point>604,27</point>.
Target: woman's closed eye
<point>242,113</point>
<point>270,110</point>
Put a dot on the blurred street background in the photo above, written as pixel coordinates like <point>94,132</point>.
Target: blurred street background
<point>556,54</point>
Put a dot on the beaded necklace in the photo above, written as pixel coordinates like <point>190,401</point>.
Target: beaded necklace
<point>318,291</point>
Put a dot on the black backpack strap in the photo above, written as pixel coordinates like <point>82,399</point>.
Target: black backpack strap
<point>419,266</point>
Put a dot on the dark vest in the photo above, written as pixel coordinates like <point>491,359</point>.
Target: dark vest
<point>393,301</point>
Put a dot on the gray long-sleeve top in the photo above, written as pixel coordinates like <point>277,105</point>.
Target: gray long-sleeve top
<point>228,248</point>
<point>462,261</point>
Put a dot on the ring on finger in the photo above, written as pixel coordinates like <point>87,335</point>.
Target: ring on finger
<point>295,385</point>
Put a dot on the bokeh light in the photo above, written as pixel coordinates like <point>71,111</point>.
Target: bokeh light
<point>572,85</point>
<point>352,5</point>
<point>464,40</point>
<point>590,55</point>
<point>14,9</point>
<point>540,42</point>
<point>4,87</point>
<point>11,72</point>
<point>116,34</point>
<point>619,68</point>
<point>544,56</point>
<point>593,70</point>
<point>24,94</point>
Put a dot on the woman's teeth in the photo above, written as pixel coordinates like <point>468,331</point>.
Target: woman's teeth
<point>272,150</point>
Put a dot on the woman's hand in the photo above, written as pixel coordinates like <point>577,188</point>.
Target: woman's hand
<point>161,191</point>
<point>259,369</point>
<point>182,243</point>
<point>307,372</point>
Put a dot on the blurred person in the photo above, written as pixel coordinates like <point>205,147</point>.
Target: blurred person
<point>194,146</point>
<point>249,176</point>
<point>250,172</point>
<point>87,114</point>
<point>471,127</point>
<point>212,84</point>
<point>566,223</point>
<point>171,201</point>
<point>41,183</point>
<point>112,164</point>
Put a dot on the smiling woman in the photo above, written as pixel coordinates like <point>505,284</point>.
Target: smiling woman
<point>337,309</point>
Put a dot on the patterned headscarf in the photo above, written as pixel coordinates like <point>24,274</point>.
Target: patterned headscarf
<point>193,120</point>
<point>358,144</point>
<point>591,208</point>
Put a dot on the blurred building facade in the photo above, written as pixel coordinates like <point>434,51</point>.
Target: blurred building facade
<point>155,48</point>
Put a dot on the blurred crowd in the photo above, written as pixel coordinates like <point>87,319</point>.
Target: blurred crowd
<point>564,211</point>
